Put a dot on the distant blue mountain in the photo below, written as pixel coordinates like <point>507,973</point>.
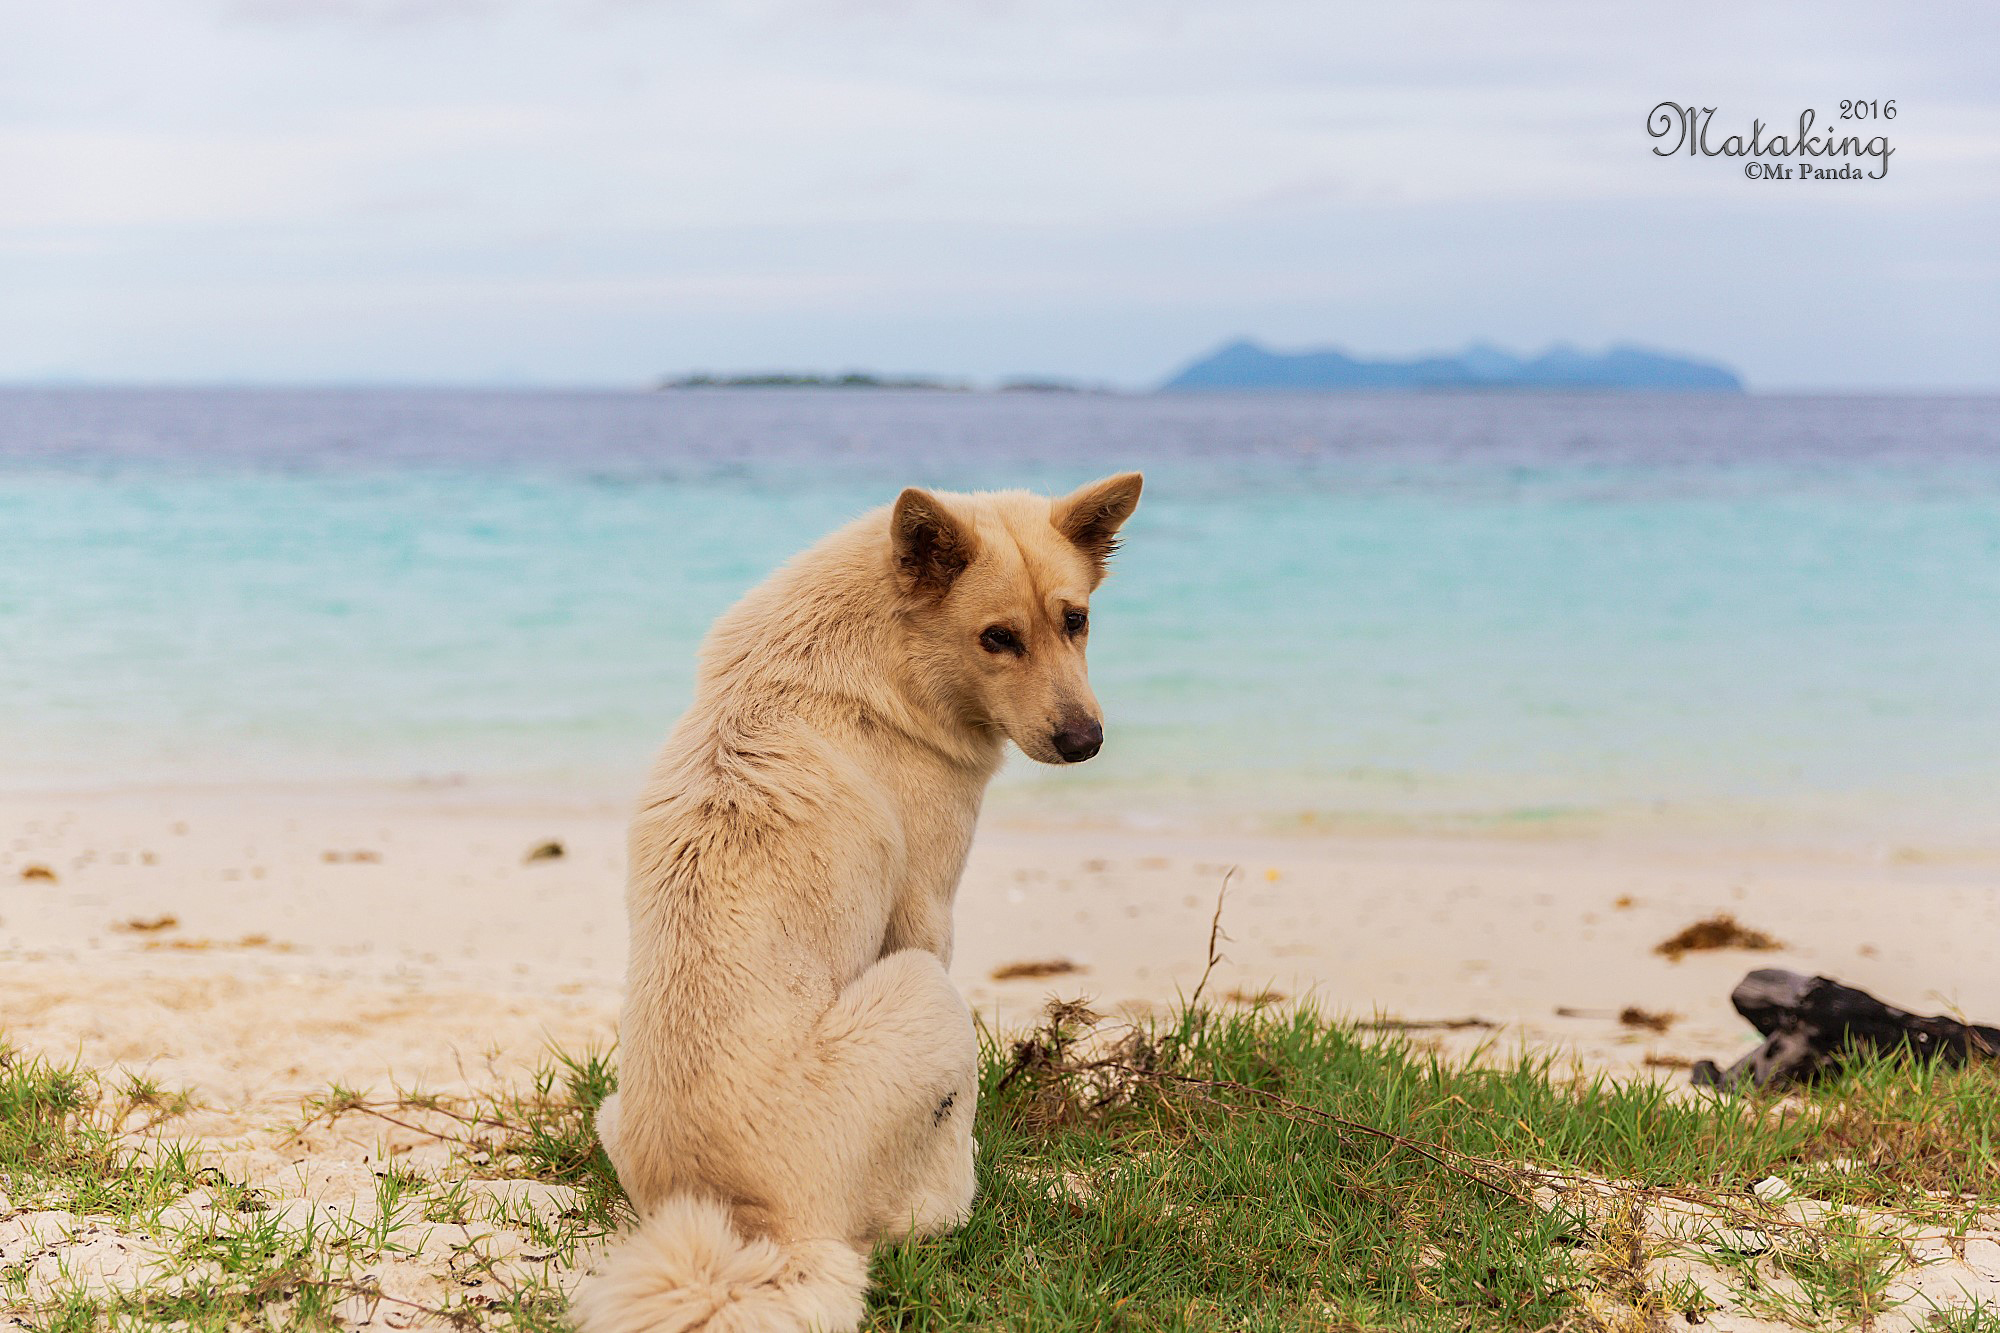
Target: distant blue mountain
<point>1246,365</point>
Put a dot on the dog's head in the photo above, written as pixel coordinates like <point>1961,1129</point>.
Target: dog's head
<point>997,593</point>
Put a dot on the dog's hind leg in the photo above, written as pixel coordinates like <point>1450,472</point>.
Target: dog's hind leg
<point>901,1047</point>
<point>943,1169</point>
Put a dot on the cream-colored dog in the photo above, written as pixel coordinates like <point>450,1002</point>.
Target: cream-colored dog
<point>797,1075</point>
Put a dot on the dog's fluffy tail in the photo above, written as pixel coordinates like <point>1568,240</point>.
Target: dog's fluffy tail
<point>687,1268</point>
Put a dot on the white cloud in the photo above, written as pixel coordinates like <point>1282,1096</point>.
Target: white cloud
<point>778,164</point>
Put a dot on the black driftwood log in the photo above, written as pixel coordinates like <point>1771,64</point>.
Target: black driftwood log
<point>1811,1025</point>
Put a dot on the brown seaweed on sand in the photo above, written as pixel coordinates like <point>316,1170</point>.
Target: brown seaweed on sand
<point>1047,967</point>
<point>1721,931</point>
<point>1632,1016</point>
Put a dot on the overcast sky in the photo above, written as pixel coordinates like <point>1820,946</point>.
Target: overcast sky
<point>602,191</point>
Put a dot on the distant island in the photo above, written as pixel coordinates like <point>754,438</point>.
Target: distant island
<point>862,379</point>
<point>1247,365</point>
<point>853,379</point>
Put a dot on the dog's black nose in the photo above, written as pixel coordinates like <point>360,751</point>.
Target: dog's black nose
<point>1077,741</point>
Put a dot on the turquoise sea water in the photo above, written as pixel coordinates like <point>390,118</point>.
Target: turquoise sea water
<point>1462,611</point>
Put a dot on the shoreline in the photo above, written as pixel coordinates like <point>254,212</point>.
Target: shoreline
<point>414,938</point>
<point>1831,832</point>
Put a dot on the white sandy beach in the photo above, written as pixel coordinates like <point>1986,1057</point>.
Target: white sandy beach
<point>256,949</point>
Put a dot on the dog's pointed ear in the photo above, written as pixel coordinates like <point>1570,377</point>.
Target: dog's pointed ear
<point>1091,517</point>
<point>932,545</point>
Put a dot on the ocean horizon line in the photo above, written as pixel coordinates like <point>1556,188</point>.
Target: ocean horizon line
<point>362,384</point>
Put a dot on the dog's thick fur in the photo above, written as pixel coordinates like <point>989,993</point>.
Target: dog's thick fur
<point>797,1075</point>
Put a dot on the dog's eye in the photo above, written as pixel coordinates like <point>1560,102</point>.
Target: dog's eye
<point>1000,639</point>
<point>1074,621</point>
